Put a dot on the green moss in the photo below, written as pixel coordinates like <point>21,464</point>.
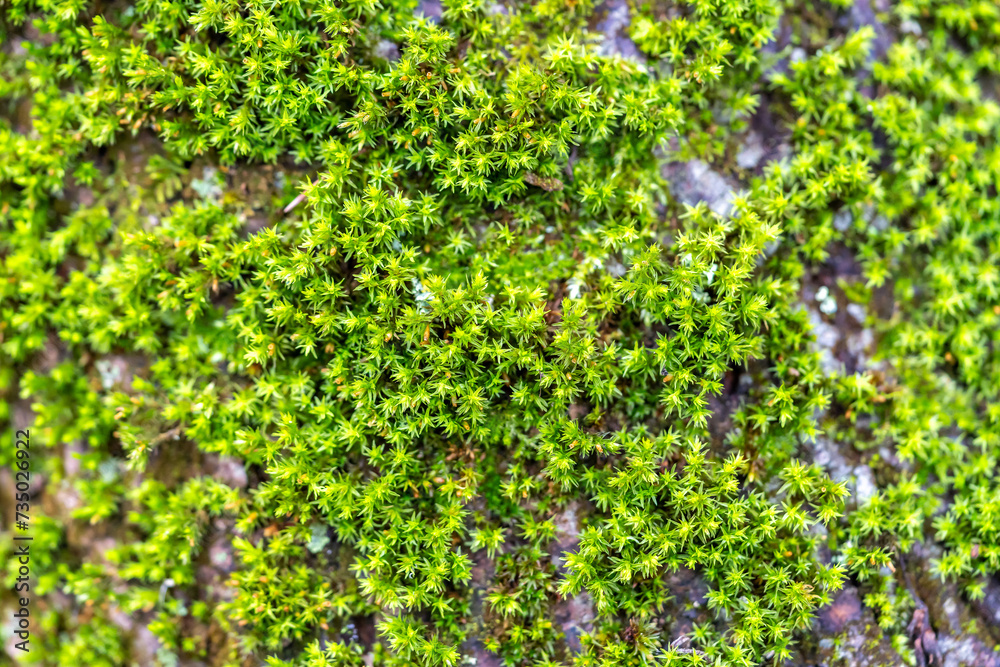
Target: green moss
<point>468,297</point>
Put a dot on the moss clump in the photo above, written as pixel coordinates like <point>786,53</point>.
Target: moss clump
<point>421,279</point>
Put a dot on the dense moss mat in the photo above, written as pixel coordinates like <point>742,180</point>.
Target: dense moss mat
<point>358,332</point>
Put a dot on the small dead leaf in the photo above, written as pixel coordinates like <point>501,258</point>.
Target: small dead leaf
<point>547,184</point>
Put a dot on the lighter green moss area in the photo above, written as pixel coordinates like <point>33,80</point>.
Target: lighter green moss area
<point>485,306</point>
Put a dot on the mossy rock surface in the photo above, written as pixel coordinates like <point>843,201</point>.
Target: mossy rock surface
<point>525,334</point>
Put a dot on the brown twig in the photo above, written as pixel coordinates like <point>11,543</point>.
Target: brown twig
<point>920,630</point>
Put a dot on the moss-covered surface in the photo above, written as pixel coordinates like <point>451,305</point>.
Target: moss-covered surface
<point>397,333</point>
